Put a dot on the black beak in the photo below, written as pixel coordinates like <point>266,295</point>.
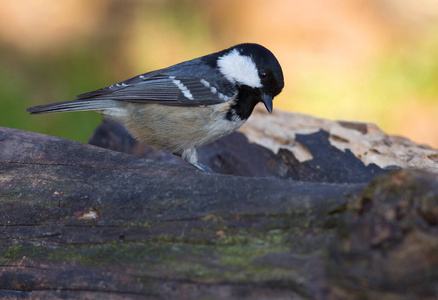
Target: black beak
<point>267,100</point>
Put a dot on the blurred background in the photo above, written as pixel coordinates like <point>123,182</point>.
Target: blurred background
<point>360,60</point>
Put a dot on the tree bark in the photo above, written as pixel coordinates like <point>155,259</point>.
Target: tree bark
<point>79,221</point>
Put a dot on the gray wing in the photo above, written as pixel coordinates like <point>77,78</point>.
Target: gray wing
<point>156,87</point>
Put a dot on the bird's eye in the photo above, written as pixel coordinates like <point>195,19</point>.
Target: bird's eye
<point>263,74</point>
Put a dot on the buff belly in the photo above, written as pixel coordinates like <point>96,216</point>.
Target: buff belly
<point>176,128</point>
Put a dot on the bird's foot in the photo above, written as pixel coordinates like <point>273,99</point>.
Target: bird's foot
<point>202,167</point>
<point>190,156</point>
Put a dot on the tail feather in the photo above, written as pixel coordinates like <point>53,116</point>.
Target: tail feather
<point>74,105</point>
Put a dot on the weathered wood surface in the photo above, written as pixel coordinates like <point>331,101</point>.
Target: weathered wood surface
<point>82,222</point>
<point>365,140</point>
<point>234,155</point>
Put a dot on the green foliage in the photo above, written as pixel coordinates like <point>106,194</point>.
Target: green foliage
<point>372,92</point>
<point>30,81</point>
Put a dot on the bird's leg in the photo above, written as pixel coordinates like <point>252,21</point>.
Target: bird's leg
<point>190,156</point>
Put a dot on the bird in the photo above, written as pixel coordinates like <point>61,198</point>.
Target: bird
<point>188,105</point>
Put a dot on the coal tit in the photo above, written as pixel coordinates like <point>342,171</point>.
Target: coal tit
<point>190,104</point>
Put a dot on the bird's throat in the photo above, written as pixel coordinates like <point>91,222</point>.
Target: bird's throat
<point>244,104</point>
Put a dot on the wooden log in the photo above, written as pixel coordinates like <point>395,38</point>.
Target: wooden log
<point>79,221</point>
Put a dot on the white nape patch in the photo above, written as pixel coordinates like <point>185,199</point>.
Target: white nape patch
<point>182,88</point>
<point>239,68</point>
<point>141,77</point>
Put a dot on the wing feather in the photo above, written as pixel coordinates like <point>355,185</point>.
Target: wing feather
<point>156,87</point>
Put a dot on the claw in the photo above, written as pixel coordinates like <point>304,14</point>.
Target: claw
<point>190,156</point>
<point>202,167</point>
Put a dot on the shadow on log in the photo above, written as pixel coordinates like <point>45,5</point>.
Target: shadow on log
<point>79,221</point>
<point>234,155</point>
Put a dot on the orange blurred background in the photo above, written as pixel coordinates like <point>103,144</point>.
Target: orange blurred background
<point>373,61</point>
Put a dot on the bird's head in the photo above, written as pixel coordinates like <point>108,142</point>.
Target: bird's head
<point>255,68</point>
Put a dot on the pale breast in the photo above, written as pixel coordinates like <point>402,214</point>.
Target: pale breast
<point>176,128</point>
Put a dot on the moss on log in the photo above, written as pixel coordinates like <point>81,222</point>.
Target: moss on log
<point>78,221</point>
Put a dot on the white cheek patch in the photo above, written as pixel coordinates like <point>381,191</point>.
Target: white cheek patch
<point>182,88</point>
<point>239,68</point>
